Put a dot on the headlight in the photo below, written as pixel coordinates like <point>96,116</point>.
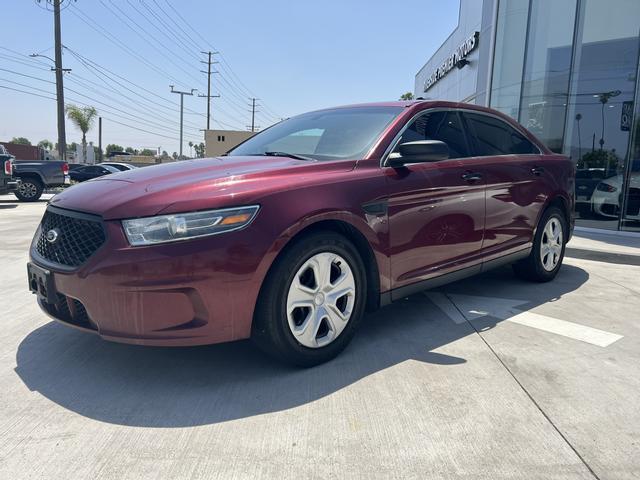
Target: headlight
<point>183,226</point>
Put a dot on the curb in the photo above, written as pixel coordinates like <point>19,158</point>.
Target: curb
<point>600,256</point>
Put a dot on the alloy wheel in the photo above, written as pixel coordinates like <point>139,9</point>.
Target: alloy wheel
<point>321,299</point>
<point>27,189</point>
<point>551,244</point>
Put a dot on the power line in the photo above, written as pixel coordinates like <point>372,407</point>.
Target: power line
<point>224,62</point>
<point>94,26</point>
<point>28,93</point>
<point>187,48</point>
<point>137,128</point>
<point>110,109</point>
<point>168,58</point>
<point>135,101</point>
<point>114,40</point>
<point>98,71</point>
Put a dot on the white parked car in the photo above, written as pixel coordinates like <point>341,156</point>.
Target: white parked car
<point>607,196</point>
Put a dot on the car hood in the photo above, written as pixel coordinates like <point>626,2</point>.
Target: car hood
<point>191,185</point>
<point>617,181</point>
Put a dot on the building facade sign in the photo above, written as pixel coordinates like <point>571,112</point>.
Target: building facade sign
<point>464,49</point>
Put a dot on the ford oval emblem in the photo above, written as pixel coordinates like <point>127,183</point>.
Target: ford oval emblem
<point>52,235</point>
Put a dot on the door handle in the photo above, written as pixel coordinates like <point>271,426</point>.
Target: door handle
<point>537,170</point>
<point>471,176</point>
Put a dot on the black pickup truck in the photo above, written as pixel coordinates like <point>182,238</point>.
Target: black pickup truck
<point>34,176</point>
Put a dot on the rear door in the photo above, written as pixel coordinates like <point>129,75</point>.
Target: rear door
<point>515,182</point>
<point>436,210</point>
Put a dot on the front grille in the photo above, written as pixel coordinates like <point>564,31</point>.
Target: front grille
<point>77,238</point>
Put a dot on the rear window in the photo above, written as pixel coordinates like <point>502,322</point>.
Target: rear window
<point>495,137</point>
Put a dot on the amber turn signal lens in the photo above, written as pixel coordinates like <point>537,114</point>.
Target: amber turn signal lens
<point>232,220</point>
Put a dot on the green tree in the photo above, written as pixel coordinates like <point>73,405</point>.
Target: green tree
<point>407,96</point>
<point>82,118</point>
<point>112,147</point>
<point>21,141</point>
<point>175,155</point>
<point>199,148</point>
<point>130,150</point>
<point>606,159</point>
<point>147,152</point>
<point>190,151</point>
<point>46,144</point>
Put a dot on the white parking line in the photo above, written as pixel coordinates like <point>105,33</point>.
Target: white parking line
<point>460,308</point>
<point>576,331</point>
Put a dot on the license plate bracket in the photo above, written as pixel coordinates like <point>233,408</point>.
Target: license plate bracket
<point>41,283</point>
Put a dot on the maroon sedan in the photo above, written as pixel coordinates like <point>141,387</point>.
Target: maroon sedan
<point>290,237</point>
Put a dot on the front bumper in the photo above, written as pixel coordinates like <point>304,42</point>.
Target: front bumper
<point>194,292</point>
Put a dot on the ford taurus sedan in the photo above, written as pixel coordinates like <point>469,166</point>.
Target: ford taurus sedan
<point>294,234</point>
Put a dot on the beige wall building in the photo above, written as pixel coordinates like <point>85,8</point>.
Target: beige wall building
<point>219,142</point>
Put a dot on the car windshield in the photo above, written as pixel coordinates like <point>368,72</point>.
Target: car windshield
<point>337,134</point>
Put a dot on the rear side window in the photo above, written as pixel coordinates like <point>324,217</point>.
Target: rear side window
<point>494,137</point>
<point>440,125</point>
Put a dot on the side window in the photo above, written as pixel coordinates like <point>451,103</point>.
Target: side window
<point>495,137</point>
<point>440,125</point>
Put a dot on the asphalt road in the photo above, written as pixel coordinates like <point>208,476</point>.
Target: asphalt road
<point>487,378</point>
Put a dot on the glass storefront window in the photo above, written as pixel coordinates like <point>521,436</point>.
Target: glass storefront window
<point>511,31</point>
<point>545,83</point>
<point>598,121</point>
<point>631,218</point>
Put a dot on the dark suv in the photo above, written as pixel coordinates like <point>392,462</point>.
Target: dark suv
<point>297,231</point>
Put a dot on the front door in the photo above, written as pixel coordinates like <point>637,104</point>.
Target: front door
<point>436,210</point>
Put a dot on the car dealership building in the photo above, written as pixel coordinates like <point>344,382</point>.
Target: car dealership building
<point>568,71</point>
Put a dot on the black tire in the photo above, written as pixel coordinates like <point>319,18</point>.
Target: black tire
<point>532,268</point>
<point>271,331</point>
<point>29,190</point>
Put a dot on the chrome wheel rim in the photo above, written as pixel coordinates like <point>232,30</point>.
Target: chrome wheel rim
<point>321,299</point>
<point>27,190</point>
<point>551,244</point>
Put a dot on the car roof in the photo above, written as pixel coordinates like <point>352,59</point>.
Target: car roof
<point>422,103</point>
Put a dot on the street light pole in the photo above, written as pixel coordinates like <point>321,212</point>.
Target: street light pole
<point>182,94</point>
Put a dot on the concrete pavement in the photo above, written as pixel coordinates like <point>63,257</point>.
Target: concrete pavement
<point>419,393</point>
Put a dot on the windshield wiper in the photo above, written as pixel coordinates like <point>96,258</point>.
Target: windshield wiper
<point>288,155</point>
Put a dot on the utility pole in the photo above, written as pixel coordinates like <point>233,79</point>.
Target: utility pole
<point>253,114</point>
<point>182,94</point>
<point>62,137</point>
<point>208,95</point>
<point>100,138</point>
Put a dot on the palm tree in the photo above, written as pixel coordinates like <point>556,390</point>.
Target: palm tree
<point>83,119</point>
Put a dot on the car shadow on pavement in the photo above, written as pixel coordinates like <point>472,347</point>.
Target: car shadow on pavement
<point>179,387</point>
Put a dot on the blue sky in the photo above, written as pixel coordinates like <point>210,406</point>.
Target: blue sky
<point>294,56</point>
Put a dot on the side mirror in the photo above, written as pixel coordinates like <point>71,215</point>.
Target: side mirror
<point>420,151</point>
